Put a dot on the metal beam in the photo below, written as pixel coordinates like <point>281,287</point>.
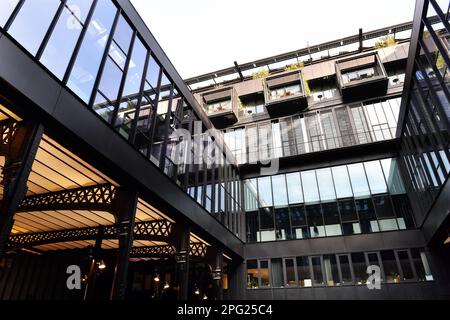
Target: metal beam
<point>195,250</point>
<point>159,230</point>
<point>98,197</point>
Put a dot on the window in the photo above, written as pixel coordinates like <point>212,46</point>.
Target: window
<point>289,265</point>
<point>405,265</point>
<point>383,208</point>
<point>84,73</point>
<point>61,44</point>
<point>298,220</point>
<point>346,271</point>
<point>310,189</point>
<point>421,265</point>
<point>331,270</point>
<point>375,177</point>
<point>8,7</point>
<point>265,192</point>
<point>342,182</point>
<point>359,268</point>
<point>331,219</point>
<point>252,222</point>
<point>326,185</point>
<point>251,195</point>
<point>267,227</point>
<point>279,191</point>
<point>32,22</point>
<point>390,266</point>
<point>264,273</point>
<point>316,263</point>
<point>349,217</point>
<point>252,274</point>
<point>315,221</point>
<point>294,186</point>
<point>367,216</point>
<point>303,272</point>
<point>357,75</point>
<point>392,175</point>
<point>283,226</point>
<point>358,180</point>
<point>276,267</point>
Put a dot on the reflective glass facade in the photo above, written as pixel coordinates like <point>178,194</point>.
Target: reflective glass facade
<point>345,200</point>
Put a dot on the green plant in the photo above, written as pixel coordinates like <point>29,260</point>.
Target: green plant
<point>385,42</point>
<point>240,104</point>
<point>294,66</point>
<point>440,62</point>
<point>263,73</point>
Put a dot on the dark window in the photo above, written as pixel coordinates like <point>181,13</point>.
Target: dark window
<point>298,220</point>
<point>403,211</point>
<point>252,274</point>
<point>252,225</point>
<point>276,266</point>
<point>331,270</point>
<point>289,265</point>
<point>264,273</point>
<point>359,267</point>
<point>283,225</point>
<point>367,215</point>
<point>316,263</point>
<point>346,272</point>
<point>315,221</point>
<point>390,266</point>
<point>303,272</point>
<point>332,219</point>
<point>405,264</point>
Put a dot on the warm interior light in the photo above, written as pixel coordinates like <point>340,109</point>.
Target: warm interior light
<point>156,278</point>
<point>447,241</point>
<point>197,291</point>
<point>167,286</point>
<point>205,297</point>
<point>101,265</point>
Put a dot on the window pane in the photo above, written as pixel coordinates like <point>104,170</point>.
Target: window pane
<point>390,266</point>
<point>315,221</point>
<point>267,227</point>
<point>294,186</point>
<point>64,37</point>
<point>88,60</point>
<point>345,269</point>
<point>405,264</point>
<point>298,221</point>
<point>358,179</point>
<point>32,22</point>
<point>375,177</point>
<point>277,273</point>
<point>383,207</point>
<point>283,226</point>
<point>359,268</point>
<point>317,271</point>
<point>421,265</point>
<point>342,182</point>
<point>290,272</point>
<point>403,211</point>
<point>265,192</point>
<point>331,270</point>
<point>279,191</point>
<point>303,272</point>
<point>331,219</point>
<point>310,189</point>
<point>8,7</point>
<point>326,185</point>
<point>252,274</point>
<point>264,273</point>
<point>392,175</point>
<point>252,223</point>
<point>367,215</point>
<point>250,194</point>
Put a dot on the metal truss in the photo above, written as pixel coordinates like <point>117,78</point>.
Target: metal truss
<point>146,231</point>
<point>8,132</point>
<point>195,250</point>
<point>98,197</point>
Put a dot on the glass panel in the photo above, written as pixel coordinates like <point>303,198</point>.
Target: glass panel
<point>317,271</point>
<point>279,191</point>
<point>375,177</point>
<point>326,185</point>
<point>8,7</point>
<point>358,179</point>
<point>267,227</point>
<point>85,70</point>
<point>332,219</point>
<point>303,272</point>
<point>359,268</point>
<point>310,188</point>
<point>392,175</point>
<point>252,274</point>
<point>283,226</point>
<point>342,182</point>
<point>264,273</point>
<point>331,270</point>
<point>367,215</point>
<point>315,221</point>
<point>298,221</point>
<point>252,223</point>
<point>390,266</point>
<point>345,269</point>
<point>294,186</point>
<point>290,272</point>
<point>32,23</point>
<point>383,207</point>
<point>405,264</point>
<point>265,192</point>
<point>421,265</point>
<point>64,37</point>
<point>403,211</point>
<point>250,194</point>
<point>276,267</point>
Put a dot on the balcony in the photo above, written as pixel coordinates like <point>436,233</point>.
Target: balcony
<point>285,94</point>
<point>361,77</point>
<point>221,106</point>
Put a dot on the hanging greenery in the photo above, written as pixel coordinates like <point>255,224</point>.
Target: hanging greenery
<point>261,74</point>
<point>385,42</point>
<point>294,66</point>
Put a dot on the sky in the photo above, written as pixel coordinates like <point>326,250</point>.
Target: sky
<point>201,36</point>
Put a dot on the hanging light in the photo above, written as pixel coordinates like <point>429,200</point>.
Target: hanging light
<point>197,291</point>
<point>166,286</point>
<point>447,241</point>
<point>205,297</point>
<point>156,278</point>
<point>101,265</point>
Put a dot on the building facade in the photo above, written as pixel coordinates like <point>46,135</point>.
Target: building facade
<point>283,178</point>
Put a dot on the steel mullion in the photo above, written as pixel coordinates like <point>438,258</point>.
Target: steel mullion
<point>162,161</point>
<point>13,15</point>
<point>79,42</point>
<point>153,115</point>
<point>441,15</point>
<point>437,42</point>
<point>50,30</point>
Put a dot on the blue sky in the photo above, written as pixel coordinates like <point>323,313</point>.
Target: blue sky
<point>201,36</point>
